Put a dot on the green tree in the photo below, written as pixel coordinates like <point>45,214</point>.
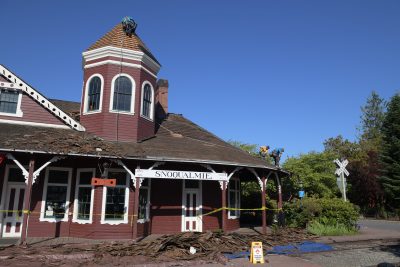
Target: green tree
<point>343,148</point>
<point>372,117</point>
<point>390,155</point>
<point>251,148</point>
<point>316,171</point>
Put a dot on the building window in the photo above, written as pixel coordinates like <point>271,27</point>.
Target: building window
<point>55,200</point>
<point>115,199</point>
<point>10,102</point>
<point>147,101</point>
<point>83,205</point>
<point>234,198</point>
<point>122,99</point>
<point>144,201</point>
<point>94,94</point>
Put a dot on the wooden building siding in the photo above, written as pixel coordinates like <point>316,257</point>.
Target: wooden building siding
<point>166,206</point>
<point>33,112</point>
<point>105,123</point>
<point>211,201</point>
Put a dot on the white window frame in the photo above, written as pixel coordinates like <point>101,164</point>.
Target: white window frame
<point>132,111</point>
<point>237,197</point>
<point>77,186</point>
<point>18,112</point>
<point>86,99</point>
<point>151,118</point>
<point>103,208</point>
<point>44,196</point>
<point>148,187</point>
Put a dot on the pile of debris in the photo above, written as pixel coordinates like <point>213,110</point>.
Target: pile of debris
<point>208,245</point>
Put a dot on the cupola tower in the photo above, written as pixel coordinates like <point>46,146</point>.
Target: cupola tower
<point>119,86</point>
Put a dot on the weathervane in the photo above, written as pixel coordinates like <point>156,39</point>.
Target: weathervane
<point>129,25</point>
<point>341,180</point>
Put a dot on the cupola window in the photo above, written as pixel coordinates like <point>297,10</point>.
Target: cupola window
<point>94,94</point>
<point>122,98</point>
<point>147,101</point>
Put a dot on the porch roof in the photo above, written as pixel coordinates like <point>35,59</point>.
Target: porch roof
<point>177,139</point>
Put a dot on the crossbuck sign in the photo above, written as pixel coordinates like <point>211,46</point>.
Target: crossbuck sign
<point>341,172</point>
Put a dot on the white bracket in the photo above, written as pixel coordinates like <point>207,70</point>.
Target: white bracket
<point>133,177</point>
<point>25,173</point>
<point>208,167</point>
<point>258,177</point>
<point>221,184</point>
<point>37,172</point>
<point>156,164</point>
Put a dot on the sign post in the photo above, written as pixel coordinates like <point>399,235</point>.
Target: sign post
<point>341,180</point>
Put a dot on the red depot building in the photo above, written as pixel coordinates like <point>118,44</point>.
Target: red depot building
<point>169,172</point>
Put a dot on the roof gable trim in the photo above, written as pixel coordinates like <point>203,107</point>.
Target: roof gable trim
<point>40,99</point>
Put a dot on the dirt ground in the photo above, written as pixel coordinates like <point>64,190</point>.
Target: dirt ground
<point>168,250</point>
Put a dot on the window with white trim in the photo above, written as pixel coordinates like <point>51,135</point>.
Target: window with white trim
<point>93,95</point>
<point>144,201</point>
<point>83,204</point>
<point>234,198</point>
<point>115,199</point>
<point>122,95</point>
<point>56,190</point>
<point>10,102</point>
<point>147,101</point>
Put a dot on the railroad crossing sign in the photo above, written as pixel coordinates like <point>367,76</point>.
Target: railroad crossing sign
<point>341,172</point>
<point>342,167</point>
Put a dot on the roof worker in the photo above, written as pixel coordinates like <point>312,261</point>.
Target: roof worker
<point>264,151</point>
<point>276,155</point>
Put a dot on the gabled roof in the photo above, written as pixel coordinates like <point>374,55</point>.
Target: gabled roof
<point>177,139</point>
<point>17,83</point>
<point>118,38</point>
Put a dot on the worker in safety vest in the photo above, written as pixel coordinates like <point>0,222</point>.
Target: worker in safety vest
<point>264,151</point>
<point>276,155</point>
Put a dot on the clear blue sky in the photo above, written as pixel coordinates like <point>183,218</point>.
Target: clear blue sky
<point>285,73</point>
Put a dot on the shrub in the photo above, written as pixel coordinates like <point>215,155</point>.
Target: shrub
<point>328,211</point>
<point>319,228</point>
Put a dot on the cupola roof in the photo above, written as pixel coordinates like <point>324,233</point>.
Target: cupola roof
<point>118,38</point>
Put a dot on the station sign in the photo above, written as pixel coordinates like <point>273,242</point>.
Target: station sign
<point>181,175</point>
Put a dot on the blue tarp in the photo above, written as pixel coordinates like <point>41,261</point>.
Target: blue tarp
<point>304,247</point>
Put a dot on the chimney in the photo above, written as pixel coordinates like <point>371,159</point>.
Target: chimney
<point>162,99</point>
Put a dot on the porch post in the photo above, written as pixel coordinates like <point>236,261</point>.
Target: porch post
<point>27,203</point>
<point>264,212</point>
<point>135,209</point>
<point>223,198</point>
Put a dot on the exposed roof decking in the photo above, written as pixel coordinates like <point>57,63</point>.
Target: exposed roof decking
<point>177,139</point>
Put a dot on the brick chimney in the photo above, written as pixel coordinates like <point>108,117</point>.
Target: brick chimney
<point>162,99</point>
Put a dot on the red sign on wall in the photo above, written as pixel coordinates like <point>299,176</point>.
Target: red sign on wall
<point>105,182</point>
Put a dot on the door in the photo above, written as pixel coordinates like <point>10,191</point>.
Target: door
<point>12,220</point>
<point>191,206</point>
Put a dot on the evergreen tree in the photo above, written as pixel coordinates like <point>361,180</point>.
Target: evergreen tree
<point>373,114</point>
<point>390,153</point>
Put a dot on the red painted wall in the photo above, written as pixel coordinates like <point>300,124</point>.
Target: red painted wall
<point>165,213</point>
<point>166,206</point>
<point>34,112</point>
<point>105,124</point>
